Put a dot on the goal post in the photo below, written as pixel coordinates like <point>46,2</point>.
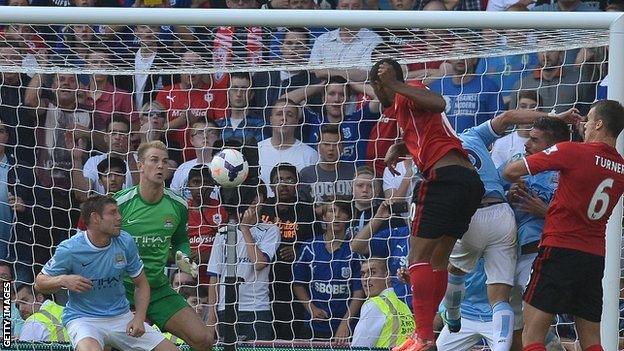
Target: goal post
<point>594,28</point>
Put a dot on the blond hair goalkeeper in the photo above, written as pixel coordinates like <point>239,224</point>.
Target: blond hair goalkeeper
<point>156,218</point>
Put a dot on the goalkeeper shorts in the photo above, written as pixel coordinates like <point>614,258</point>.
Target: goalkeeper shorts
<point>164,303</point>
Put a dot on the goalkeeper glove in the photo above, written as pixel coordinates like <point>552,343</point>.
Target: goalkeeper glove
<point>185,264</point>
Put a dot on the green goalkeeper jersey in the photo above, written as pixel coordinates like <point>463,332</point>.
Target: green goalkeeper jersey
<point>157,229</point>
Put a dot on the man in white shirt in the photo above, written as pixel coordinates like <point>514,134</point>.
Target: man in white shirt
<point>39,313</point>
<point>385,320</point>
<point>116,141</point>
<point>203,136</point>
<point>283,146</point>
<point>344,45</point>
<point>256,245</point>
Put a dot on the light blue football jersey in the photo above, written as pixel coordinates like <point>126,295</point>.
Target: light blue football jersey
<point>530,227</point>
<point>104,266</point>
<point>476,141</point>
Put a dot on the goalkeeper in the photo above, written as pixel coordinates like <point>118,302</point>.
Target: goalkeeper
<point>157,218</point>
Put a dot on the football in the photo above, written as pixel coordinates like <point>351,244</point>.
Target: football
<point>229,168</point>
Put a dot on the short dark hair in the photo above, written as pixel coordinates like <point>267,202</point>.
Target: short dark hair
<point>374,71</point>
<point>118,118</point>
<point>95,204</point>
<point>555,129</point>
<point>529,94</point>
<point>111,162</point>
<point>331,128</point>
<point>241,75</point>
<point>611,112</point>
<point>340,81</point>
<point>31,289</point>
<point>283,167</point>
<point>201,171</point>
<point>343,202</point>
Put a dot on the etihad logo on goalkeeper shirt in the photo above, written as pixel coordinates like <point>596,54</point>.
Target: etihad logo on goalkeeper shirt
<point>150,240</point>
<point>169,222</point>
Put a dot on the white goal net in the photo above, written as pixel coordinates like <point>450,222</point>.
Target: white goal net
<point>76,101</point>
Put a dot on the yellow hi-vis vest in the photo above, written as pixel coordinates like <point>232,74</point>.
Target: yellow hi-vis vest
<point>174,339</point>
<point>50,315</point>
<point>399,319</point>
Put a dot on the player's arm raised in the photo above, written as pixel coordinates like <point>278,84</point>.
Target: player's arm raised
<point>502,122</point>
<point>425,99</point>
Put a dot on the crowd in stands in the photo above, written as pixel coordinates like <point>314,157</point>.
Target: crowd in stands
<point>316,138</point>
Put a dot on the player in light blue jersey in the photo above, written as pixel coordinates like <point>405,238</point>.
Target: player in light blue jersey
<point>529,199</point>
<point>492,231</point>
<point>92,265</point>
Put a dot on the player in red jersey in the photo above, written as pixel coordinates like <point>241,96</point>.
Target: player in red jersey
<point>567,274</point>
<point>446,200</point>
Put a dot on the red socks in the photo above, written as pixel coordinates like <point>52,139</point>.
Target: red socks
<point>424,287</point>
<point>441,280</point>
<point>538,346</point>
<point>594,348</point>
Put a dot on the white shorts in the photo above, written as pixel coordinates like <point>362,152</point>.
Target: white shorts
<point>471,333</point>
<point>112,331</point>
<point>523,273</point>
<point>491,235</point>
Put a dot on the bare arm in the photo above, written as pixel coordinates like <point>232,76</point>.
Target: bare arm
<point>213,298</point>
<point>256,255</point>
<point>515,170</point>
<point>424,98</point>
<point>32,97</point>
<point>359,244</point>
<point>141,295</point>
<point>46,284</point>
<point>512,117</point>
<point>302,94</point>
<point>366,89</point>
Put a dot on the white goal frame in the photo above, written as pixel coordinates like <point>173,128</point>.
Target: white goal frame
<point>612,21</point>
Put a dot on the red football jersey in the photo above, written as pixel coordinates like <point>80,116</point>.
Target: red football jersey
<point>383,135</point>
<point>427,135</point>
<point>203,226</point>
<point>591,181</point>
<point>207,102</point>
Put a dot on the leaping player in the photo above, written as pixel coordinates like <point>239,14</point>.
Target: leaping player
<point>447,199</point>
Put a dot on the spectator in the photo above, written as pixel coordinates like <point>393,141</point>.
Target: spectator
<point>291,46</point>
<point>42,317</point>
<point>330,176</point>
<point>344,46</point>
<point>6,275</point>
<point>385,320</point>
<point>150,54</point>
<point>197,298</point>
<point>505,71</point>
<point>471,99</point>
<point>154,126</point>
<point>366,197</point>
<point>332,291</point>
<point>116,145</point>
<point>102,98</point>
<point>111,176</point>
<point>455,5</point>
<point>296,222</point>
<point>355,126</point>
<point>63,124</point>
<point>560,87</point>
<point>238,124</point>
<point>204,134</point>
<point>19,124</point>
<point>181,279</point>
<point>255,249</point>
<point>283,146</point>
<point>194,99</point>
<point>73,47</point>
<point>401,187</point>
<point>6,215</point>
<point>237,44</point>
<point>511,146</point>
<point>31,46</point>
<point>206,215</point>
<point>565,5</point>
